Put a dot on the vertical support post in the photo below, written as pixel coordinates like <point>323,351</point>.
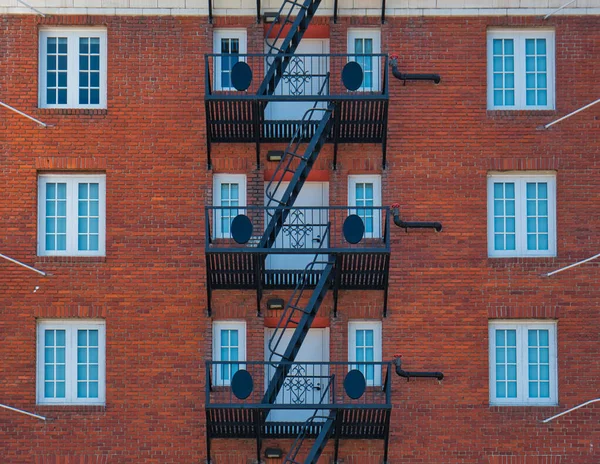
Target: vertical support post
<point>336,284</point>
<point>208,287</point>
<point>386,278</point>
<point>338,431</point>
<point>386,440</point>
<point>384,136</point>
<point>257,11</point>
<point>256,112</point>
<point>209,124</point>
<point>257,425</point>
<point>207,402</point>
<point>382,11</point>
<point>335,11</point>
<point>336,131</point>
<point>258,259</point>
<point>210,12</point>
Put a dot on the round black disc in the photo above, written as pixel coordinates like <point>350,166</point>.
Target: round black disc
<point>242,384</point>
<point>241,228</point>
<point>352,75</point>
<point>241,75</point>
<point>355,384</point>
<point>354,229</point>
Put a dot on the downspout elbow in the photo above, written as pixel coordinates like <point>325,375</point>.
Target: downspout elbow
<point>436,78</point>
<point>407,375</point>
<point>413,224</point>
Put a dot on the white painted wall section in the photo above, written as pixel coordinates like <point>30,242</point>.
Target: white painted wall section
<point>345,7</point>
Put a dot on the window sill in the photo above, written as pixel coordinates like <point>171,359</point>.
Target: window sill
<point>518,113</point>
<point>520,259</point>
<point>72,111</point>
<point>522,407</point>
<point>71,259</point>
<point>79,408</point>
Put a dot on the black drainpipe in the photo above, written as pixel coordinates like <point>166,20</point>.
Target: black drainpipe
<point>411,77</point>
<point>407,375</point>
<point>413,225</point>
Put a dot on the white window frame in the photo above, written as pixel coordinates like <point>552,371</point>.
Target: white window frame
<point>521,327</point>
<point>376,326</point>
<point>72,34</point>
<point>72,181</point>
<point>519,37</point>
<point>71,326</point>
<point>520,180</point>
<point>219,179</point>
<point>218,34</point>
<point>217,326</point>
<point>367,33</point>
<point>377,214</point>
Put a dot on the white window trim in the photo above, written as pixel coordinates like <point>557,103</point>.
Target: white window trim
<point>72,213</point>
<point>519,37</point>
<point>71,326</point>
<point>521,326</point>
<point>376,326</point>
<point>377,214</point>
<point>72,65</point>
<point>218,34</point>
<point>520,179</point>
<point>367,33</point>
<point>219,179</point>
<point>217,326</point>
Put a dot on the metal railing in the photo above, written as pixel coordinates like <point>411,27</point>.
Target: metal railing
<point>308,77</point>
<point>308,385</point>
<point>303,231</point>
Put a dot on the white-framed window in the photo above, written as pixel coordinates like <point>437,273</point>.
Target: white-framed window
<point>521,214</point>
<point>229,44</point>
<point>363,42</point>
<point>364,346</point>
<point>229,344</point>
<point>523,367</point>
<point>521,69</point>
<point>364,191</point>
<point>229,193</point>
<point>72,68</point>
<point>71,214</point>
<point>71,361</point>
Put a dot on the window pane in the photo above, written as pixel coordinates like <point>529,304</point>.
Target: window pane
<point>54,366</point>
<point>503,68</point>
<point>56,70</point>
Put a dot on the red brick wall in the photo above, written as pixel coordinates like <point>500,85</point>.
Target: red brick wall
<point>443,287</point>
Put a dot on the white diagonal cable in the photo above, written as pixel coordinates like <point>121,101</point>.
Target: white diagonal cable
<point>571,265</point>
<point>546,126</point>
<point>570,410</point>
<point>556,11</point>
<point>23,264</point>
<point>22,412</point>
<point>24,114</point>
<point>31,8</point>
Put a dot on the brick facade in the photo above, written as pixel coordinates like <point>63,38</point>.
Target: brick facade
<point>150,287</point>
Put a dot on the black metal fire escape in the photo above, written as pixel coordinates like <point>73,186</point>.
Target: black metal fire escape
<point>299,166</point>
<point>342,112</point>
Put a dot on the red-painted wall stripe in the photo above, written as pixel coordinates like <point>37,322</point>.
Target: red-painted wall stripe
<point>316,175</point>
<point>318,323</point>
<point>316,31</point>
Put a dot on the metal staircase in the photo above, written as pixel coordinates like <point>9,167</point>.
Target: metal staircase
<point>297,16</point>
<point>298,164</point>
<point>326,423</point>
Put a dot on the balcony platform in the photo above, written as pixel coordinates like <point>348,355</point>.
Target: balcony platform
<point>367,417</point>
<point>360,266</point>
<point>234,116</point>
